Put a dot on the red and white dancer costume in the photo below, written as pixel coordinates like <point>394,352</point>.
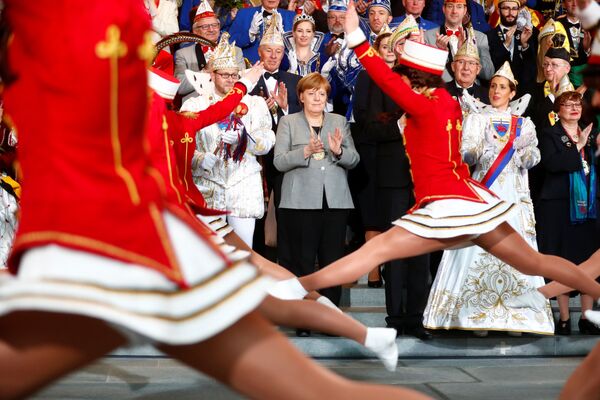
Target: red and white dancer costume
<point>448,202</point>
<point>105,243</point>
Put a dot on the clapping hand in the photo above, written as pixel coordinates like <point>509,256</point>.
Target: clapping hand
<point>280,96</point>
<point>526,35</point>
<point>335,142</point>
<point>508,36</point>
<point>361,6</point>
<point>314,146</point>
<point>583,138</point>
<point>441,41</point>
<point>253,74</point>
<point>230,137</point>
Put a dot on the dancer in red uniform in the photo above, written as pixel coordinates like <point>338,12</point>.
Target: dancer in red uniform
<point>451,208</point>
<point>103,258</point>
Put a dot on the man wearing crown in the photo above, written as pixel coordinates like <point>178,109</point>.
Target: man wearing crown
<point>250,24</point>
<point>465,68</point>
<point>206,25</point>
<point>452,34</point>
<point>224,164</point>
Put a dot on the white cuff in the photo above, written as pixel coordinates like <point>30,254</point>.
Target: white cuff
<point>246,82</point>
<point>355,38</point>
<point>590,15</point>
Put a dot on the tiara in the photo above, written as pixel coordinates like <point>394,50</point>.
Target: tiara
<point>303,17</point>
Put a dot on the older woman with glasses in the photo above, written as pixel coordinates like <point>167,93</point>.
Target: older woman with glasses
<point>567,210</point>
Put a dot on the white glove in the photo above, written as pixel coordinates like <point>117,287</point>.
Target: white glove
<point>257,21</point>
<point>209,161</point>
<point>523,141</point>
<point>230,137</point>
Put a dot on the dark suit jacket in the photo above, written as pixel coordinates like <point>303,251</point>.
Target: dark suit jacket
<point>558,161</point>
<point>539,107</point>
<point>477,91</point>
<point>290,81</point>
<point>522,64</point>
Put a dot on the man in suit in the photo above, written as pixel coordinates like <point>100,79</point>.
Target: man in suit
<point>379,14</point>
<point>465,67</point>
<point>476,13</point>
<point>278,88</point>
<point>451,34</point>
<point>415,8</point>
<point>250,24</point>
<point>206,25</point>
<point>580,41</point>
<point>517,45</point>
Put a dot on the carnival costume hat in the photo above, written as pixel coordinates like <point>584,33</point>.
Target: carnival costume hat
<point>338,5</point>
<point>204,11</point>
<point>164,84</point>
<point>384,29</point>
<point>468,49</point>
<point>381,3</point>
<point>301,18</point>
<point>558,32</point>
<point>224,55</point>
<point>272,35</point>
<point>558,52</point>
<point>505,72</point>
<point>456,1</point>
<point>407,27</point>
<point>424,57</point>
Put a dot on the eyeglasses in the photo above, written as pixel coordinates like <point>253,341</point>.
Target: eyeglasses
<point>471,64</point>
<point>228,76</point>
<point>552,65</point>
<point>510,9</point>
<point>207,27</point>
<point>572,106</point>
<point>336,17</point>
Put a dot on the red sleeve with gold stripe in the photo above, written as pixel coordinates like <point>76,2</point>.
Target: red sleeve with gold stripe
<point>390,82</point>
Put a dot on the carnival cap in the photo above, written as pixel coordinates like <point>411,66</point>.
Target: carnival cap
<point>301,18</point>
<point>381,3</point>
<point>164,84</point>
<point>424,57</point>
<point>468,49</point>
<point>558,52</point>
<point>338,5</point>
<point>384,29</point>
<point>456,1</point>
<point>224,55</point>
<point>404,29</point>
<point>509,1</point>
<point>272,35</point>
<point>204,11</point>
<point>506,72</point>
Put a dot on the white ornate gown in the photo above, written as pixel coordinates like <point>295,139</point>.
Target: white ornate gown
<point>471,285</point>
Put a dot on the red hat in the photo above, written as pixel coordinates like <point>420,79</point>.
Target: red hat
<point>164,84</point>
<point>164,62</point>
<point>424,57</point>
<point>204,11</point>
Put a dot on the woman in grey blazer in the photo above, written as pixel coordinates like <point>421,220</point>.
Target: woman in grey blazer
<point>314,150</point>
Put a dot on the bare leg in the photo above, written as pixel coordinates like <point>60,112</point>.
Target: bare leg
<point>587,303</point>
<point>584,382</point>
<point>563,307</point>
<point>257,361</point>
<point>390,245</point>
<point>506,244</point>
<point>374,274</point>
<point>591,267</point>
<point>36,349</point>
<point>314,316</point>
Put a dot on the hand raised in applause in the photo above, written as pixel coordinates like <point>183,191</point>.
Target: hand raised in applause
<point>335,142</point>
<point>314,146</point>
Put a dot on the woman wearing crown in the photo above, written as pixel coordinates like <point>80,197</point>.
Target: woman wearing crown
<point>471,284</point>
<point>302,45</point>
<point>451,208</point>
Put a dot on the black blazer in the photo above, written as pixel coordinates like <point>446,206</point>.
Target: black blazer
<point>523,63</point>
<point>477,91</point>
<point>539,107</point>
<point>559,158</point>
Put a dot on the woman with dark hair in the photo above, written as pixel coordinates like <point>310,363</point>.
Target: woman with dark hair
<point>451,208</point>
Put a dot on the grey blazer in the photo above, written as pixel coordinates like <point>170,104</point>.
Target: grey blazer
<point>304,180</point>
<point>186,59</point>
<point>487,66</point>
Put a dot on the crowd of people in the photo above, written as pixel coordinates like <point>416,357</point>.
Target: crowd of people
<point>469,130</point>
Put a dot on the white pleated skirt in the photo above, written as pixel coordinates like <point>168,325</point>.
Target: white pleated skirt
<point>448,218</point>
<point>137,300</point>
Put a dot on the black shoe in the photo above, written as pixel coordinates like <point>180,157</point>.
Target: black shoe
<point>302,332</point>
<point>588,328</point>
<point>375,284</point>
<point>419,332</point>
<point>563,327</point>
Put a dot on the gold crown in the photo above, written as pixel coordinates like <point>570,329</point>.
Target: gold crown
<point>272,35</point>
<point>224,55</point>
<point>506,72</point>
<point>404,29</point>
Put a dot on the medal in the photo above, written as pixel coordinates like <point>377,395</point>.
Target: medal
<point>318,156</point>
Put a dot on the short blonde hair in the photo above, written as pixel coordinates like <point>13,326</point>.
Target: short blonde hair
<point>313,80</point>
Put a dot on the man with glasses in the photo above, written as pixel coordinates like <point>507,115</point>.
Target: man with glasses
<point>206,25</point>
<point>517,45</point>
<point>452,34</point>
<point>465,67</point>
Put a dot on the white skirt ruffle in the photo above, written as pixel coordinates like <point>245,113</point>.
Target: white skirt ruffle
<point>448,218</point>
<point>138,300</point>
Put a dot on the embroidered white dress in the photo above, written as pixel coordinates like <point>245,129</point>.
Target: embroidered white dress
<point>235,186</point>
<point>471,285</point>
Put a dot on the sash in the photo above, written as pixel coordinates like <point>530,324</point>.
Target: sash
<point>505,154</point>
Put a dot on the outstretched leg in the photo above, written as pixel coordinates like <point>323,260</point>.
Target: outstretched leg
<point>257,361</point>
<point>591,267</point>
<point>584,382</point>
<point>506,244</point>
<point>36,349</point>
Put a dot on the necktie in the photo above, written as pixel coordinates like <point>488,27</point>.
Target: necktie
<point>274,75</point>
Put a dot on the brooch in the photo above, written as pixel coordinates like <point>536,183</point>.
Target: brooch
<point>564,138</point>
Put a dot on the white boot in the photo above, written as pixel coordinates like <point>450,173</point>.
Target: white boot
<point>290,289</point>
<point>531,299</point>
<point>593,316</point>
<point>382,342</point>
<point>326,302</point>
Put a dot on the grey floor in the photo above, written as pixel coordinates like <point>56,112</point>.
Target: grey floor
<point>118,378</point>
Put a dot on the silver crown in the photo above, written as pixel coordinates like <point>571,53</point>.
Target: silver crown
<point>303,17</point>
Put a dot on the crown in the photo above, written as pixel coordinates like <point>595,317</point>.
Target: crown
<point>272,35</point>
<point>506,72</point>
<point>224,55</point>
<point>404,29</point>
<point>303,17</point>
<point>469,48</point>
